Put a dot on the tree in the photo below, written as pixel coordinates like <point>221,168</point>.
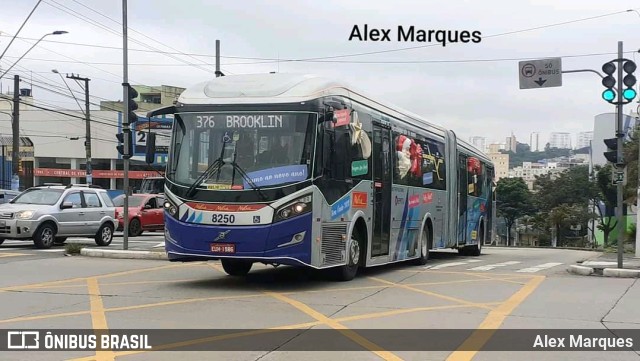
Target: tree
<point>513,200</point>
<point>630,157</point>
<point>608,195</point>
<point>563,201</point>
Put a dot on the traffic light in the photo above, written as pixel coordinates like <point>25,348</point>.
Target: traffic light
<point>629,80</point>
<point>131,104</point>
<point>150,156</point>
<point>609,82</point>
<point>121,147</point>
<point>612,150</point>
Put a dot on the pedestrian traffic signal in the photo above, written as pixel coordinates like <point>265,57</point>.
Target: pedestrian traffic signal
<point>122,146</point>
<point>609,82</point>
<point>612,150</point>
<point>629,80</point>
<point>131,103</point>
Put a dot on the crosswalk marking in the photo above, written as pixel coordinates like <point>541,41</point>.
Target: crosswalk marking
<point>492,266</point>
<point>451,264</point>
<point>539,267</point>
<point>51,250</point>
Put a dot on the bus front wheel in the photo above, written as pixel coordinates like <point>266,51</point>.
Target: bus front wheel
<point>354,253</point>
<point>235,267</point>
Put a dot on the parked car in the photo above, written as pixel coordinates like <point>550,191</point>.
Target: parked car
<point>146,213</point>
<point>50,214</point>
<point>7,195</point>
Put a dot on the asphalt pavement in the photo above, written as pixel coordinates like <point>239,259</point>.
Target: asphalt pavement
<point>504,288</point>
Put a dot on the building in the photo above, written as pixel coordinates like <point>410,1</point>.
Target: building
<point>501,164</point>
<point>149,98</point>
<point>511,143</point>
<point>560,140</point>
<point>58,153</point>
<point>479,142</point>
<point>496,147</point>
<point>584,139</point>
<point>534,142</point>
<point>529,170</point>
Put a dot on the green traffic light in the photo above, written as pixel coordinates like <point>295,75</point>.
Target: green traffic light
<point>629,94</point>
<point>608,95</point>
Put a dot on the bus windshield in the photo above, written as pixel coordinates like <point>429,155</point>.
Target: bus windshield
<point>236,151</point>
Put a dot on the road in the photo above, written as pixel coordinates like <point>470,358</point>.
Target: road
<point>503,288</point>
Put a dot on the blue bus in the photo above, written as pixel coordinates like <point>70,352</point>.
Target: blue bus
<point>305,171</point>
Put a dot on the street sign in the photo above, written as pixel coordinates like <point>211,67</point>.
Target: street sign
<point>542,73</point>
<point>618,177</point>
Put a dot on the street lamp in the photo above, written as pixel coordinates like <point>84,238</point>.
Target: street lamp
<point>57,32</point>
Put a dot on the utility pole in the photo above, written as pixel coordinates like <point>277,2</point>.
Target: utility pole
<point>620,165</point>
<point>125,126</point>
<point>87,142</point>
<point>15,127</point>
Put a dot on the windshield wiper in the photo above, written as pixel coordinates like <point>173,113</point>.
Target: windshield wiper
<point>217,164</point>
<point>246,177</point>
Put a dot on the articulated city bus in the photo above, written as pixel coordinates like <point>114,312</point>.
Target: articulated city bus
<point>304,171</point>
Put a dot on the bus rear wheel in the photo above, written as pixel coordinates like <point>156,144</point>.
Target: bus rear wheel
<point>235,267</point>
<point>424,247</point>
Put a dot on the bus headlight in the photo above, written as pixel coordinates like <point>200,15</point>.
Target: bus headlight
<point>299,206</point>
<point>171,208</point>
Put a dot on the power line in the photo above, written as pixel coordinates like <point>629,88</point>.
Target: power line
<point>371,61</point>
<point>325,57</point>
<point>87,19</point>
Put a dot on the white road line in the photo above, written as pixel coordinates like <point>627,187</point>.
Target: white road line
<point>451,264</point>
<point>539,267</point>
<point>492,266</point>
<point>50,250</point>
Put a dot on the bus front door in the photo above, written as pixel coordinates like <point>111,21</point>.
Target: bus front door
<point>381,154</point>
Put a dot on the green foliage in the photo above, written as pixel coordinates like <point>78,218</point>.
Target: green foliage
<point>630,157</point>
<point>571,187</point>
<point>73,248</point>
<point>524,154</point>
<point>513,200</point>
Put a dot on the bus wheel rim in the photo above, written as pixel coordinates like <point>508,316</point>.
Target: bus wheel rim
<point>354,251</point>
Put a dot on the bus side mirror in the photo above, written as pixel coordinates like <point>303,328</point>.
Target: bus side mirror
<point>150,155</point>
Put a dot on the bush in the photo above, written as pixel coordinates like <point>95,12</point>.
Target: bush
<point>73,248</point>
<point>631,233</point>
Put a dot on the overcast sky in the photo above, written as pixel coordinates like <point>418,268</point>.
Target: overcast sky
<point>472,98</point>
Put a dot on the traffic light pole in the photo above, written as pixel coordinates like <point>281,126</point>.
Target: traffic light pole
<point>125,126</point>
<point>620,165</point>
<point>15,125</point>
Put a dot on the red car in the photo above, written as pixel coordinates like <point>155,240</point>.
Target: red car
<point>146,213</point>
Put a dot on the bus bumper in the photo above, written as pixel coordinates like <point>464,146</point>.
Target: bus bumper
<point>286,242</point>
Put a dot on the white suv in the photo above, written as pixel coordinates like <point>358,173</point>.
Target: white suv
<point>50,214</point>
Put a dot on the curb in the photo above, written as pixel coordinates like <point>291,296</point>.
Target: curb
<point>122,254</point>
<point>580,270</point>
<point>620,272</point>
<point>607,272</point>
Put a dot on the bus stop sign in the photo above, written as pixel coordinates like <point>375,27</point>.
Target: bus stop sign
<point>542,73</point>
